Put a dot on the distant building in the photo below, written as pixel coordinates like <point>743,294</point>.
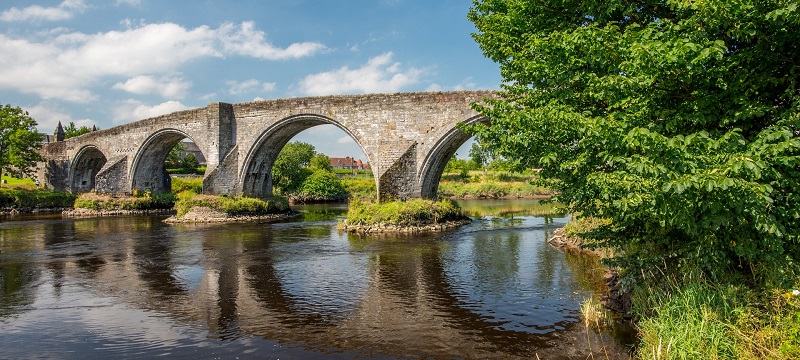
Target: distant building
<point>192,148</point>
<point>348,163</point>
<point>47,138</point>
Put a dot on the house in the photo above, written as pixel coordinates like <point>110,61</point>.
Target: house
<point>348,163</point>
<point>192,148</point>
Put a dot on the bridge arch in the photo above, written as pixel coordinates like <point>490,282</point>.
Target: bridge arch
<point>436,160</point>
<point>147,171</point>
<point>85,166</point>
<point>256,173</point>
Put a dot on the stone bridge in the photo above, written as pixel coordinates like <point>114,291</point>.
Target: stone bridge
<point>407,137</point>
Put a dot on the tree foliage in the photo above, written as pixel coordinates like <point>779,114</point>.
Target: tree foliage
<point>322,185</point>
<point>291,166</point>
<point>677,120</point>
<point>72,130</point>
<point>321,162</point>
<point>19,141</point>
<point>174,158</point>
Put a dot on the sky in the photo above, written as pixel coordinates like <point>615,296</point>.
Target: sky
<point>106,63</point>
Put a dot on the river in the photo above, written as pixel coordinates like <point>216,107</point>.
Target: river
<point>135,287</point>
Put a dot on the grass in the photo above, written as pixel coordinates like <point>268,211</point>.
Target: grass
<point>234,206</point>
<point>191,184</point>
<point>685,317</point>
<point>595,314</point>
<point>7,180</point>
<point>28,196</point>
<point>360,188</point>
<point>143,201</point>
<point>494,185</point>
<point>415,212</point>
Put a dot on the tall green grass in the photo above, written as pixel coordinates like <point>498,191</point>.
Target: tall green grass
<point>191,184</point>
<point>689,318</point>
<point>29,197</point>
<point>491,190</point>
<point>141,201</point>
<point>234,206</point>
<point>415,212</point>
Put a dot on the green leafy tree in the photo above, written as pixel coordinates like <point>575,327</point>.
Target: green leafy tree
<point>321,162</point>
<point>19,141</point>
<point>71,130</point>
<point>322,185</point>
<point>291,166</point>
<point>174,158</point>
<point>676,120</point>
<point>190,163</point>
<point>479,156</point>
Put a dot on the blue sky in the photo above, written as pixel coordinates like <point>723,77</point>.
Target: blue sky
<point>107,63</point>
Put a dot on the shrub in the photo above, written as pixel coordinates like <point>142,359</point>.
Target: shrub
<point>321,186</point>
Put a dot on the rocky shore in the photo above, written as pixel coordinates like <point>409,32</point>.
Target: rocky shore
<point>201,214</point>
<point>17,211</point>
<point>390,228</point>
<point>82,212</point>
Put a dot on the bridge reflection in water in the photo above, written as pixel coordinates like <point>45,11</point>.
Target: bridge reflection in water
<point>135,286</point>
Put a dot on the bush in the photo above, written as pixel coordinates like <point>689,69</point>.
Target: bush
<point>321,186</point>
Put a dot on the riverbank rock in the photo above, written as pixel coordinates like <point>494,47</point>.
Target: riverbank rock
<point>391,228</point>
<point>13,211</point>
<point>82,212</point>
<point>201,214</point>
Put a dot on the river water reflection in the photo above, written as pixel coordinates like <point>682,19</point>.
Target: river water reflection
<point>136,287</point>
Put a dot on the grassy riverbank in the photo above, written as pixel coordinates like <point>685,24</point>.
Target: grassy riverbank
<point>138,202</point>
<point>466,185</point>
<point>26,197</point>
<point>395,215</point>
<point>231,206</point>
<point>689,316</point>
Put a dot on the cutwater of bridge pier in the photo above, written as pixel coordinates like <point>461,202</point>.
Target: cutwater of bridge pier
<point>407,137</point>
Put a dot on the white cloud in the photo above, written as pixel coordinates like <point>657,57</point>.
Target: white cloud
<point>379,74</point>
<point>249,86</point>
<point>167,87</point>
<point>63,11</point>
<point>434,87</point>
<point>67,65</point>
<point>48,115</point>
<point>134,3</point>
<point>132,110</point>
<point>467,84</point>
<point>244,40</point>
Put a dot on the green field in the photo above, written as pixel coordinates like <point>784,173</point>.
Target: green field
<point>7,180</point>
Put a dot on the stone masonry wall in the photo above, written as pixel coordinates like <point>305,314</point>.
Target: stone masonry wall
<point>397,132</point>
